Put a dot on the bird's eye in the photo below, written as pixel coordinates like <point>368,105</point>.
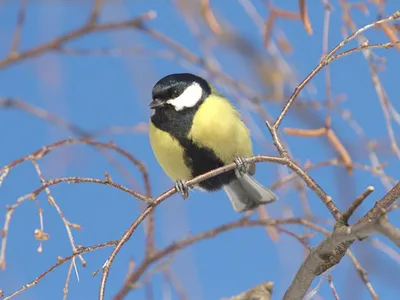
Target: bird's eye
<point>175,93</point>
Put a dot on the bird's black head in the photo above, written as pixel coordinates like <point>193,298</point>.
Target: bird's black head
<point>181,90</point>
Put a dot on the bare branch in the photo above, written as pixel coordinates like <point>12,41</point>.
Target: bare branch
<point>18,28</point>
<point>73,35</point>
<point>326,60</point>
<point>43,151</point>
<point>356,203</point>
<point>65,290</point>
<point>388,230</point>
<point>332,286</point>
<point>311,183</point>
<point>331,250</point>
<point>95,12</point>
<point>75,180</point>
<point>43,114</point>
<point>336,243</point>
<point>380,91</point>
<point>61,261</point>
<point>304,16</point>
<point>243,222</point>
<point>68,225</point>
<point>139,270</point>
<point>363,274</point>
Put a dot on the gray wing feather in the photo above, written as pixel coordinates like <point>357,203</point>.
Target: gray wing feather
<point>246,193</point>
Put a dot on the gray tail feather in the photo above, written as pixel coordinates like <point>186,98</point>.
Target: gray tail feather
<point>246,193</point>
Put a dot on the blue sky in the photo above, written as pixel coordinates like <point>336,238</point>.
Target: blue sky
<point>99,91</point>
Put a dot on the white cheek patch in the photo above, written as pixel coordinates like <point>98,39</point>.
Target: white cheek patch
<point>188,98</point>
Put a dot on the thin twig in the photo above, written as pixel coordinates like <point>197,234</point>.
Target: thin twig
<point>326,60</point>
<point>363,274</point>
<point>4,232</point>
<point>332,286</point>
<point>73,35</point>
<point>173,280</point>
<point>16,41</point>
<point>243,222</point>
<point>43,151</point>
<point>304,17</point>
<point>61,261</point>
<point>77,180</point>
<point>388,230</point>
<point>46,185</point>
<point>356,203</point>
<point>52,201</point>
<point>67,279</point>
<point>95,12</point>
<point>381,93</point>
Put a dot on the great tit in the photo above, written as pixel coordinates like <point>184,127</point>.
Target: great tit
<point>194,129</point>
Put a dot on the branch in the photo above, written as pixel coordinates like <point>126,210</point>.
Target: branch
<point>337,242</point>
<point>159,254</point>
<point>380,91</point>
<point>15,103</point>
<point>90,27</point>
<point>388,230</point>
<point>331,56</point>
<point>130,283</point>
<point>128,233</point>
<point>45,150</point>
<point>331,250</point>
<point>61,261</point>
<point>243,222</point>
<point>259,158</point>
<point>95,12</point>
<point>16,41</point>
<point>44,187</point>
<point>43,114</point>
<point>328,59</point>
<point>311,183</point>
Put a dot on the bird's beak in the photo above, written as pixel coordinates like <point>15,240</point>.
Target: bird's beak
<point>156,103</point>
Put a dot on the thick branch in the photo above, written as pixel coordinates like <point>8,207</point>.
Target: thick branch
<point>331,250</point>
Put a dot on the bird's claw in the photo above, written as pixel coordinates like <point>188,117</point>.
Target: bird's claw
<point>242,167</point>
<point>182,188</point>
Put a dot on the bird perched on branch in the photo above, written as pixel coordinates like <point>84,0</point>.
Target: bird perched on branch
<point>193,130</point>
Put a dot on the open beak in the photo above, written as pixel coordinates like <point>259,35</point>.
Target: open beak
<point>156,103</point>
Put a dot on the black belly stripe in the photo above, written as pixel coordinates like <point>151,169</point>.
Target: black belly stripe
<point>202,160</point>
<point>198,159</point>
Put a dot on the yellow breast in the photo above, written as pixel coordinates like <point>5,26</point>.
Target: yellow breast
<point>169,154</point>
<point>217,125</point>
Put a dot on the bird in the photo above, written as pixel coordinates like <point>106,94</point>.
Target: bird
<point>194,129</point>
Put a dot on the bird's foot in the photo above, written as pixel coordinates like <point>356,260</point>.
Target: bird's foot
<point>242,167</point>
<point>182,188</point>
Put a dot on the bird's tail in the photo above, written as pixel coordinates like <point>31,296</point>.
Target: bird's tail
<point>246,193</point>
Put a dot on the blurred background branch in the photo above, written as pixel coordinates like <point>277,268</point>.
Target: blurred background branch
<point>80,73</point>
